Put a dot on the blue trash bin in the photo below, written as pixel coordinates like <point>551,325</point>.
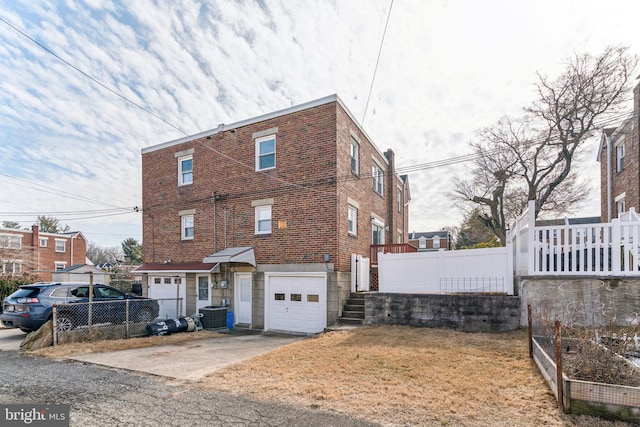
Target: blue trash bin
<point>229,320</point>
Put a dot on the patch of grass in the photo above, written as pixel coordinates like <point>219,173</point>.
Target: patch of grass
<point>400,376</point>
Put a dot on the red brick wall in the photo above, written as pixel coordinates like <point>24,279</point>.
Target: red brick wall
<point>627,181</point>
<point>309,187</point>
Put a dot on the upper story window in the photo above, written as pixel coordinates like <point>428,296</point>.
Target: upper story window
<point>353,220</point>
<point>378,179</point>
<point>61,245</point>
<point>59,266</point>
<point>44,242</point>
<point>263,219</point>
<point>620,157</point>
<point>355,156</point>
<point>400,201</point>
<point>10,241</point>
<point>436,242</point>
<point>185,170</point>
<point>266,152</point>
<point>187,227</point>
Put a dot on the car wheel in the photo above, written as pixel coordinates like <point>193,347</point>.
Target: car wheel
<point>64,324</point>
<point>145,315</point>
<point>26,331</point>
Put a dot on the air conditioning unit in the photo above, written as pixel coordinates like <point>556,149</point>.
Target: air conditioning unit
<point>213,317</point>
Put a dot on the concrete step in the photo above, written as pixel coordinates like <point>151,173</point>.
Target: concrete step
<point>354,307</point>
<point>353,314</point>
<point>350,321</point>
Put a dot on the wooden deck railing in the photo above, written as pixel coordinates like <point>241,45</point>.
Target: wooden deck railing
<point>390,248</point>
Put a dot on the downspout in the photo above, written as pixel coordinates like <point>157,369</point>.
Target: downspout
<point>214,223</point>
<point>608,177</point>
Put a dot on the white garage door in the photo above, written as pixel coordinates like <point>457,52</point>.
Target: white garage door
<point>171,296</point>
<point>296,302</point>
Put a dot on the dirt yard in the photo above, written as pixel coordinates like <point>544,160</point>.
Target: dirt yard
<point>398,376</point>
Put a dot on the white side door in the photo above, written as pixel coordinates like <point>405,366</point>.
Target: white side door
<point>242,297</point>
<point>203,297</point>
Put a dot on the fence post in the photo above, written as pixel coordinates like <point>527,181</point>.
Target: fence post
<point>530,326</point>
<point>531,217</point>
<point>54,325</point>
<point>558,350</point>
<point>127,320</point>
<point>616,265</point>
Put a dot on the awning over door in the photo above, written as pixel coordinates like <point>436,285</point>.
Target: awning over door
<point>242,254</point>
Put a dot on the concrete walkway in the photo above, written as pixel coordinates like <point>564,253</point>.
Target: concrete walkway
<point>192,360</point>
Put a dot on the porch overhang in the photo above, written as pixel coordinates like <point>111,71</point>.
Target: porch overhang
<point>175,268</point>
<point>243,254</point>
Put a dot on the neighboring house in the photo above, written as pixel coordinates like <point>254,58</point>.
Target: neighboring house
<point>264,215</point>
<point>23,251</point>
<point>619,165</point>
<point>431,240</point>
<point>80,273</point>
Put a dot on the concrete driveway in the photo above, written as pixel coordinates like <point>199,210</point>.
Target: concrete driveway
<point>190,360</point>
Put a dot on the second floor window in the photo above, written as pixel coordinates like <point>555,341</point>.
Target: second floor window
<point>44,242</point>
<point>185,170</point>
<point>620,158</point>
<point>263,219</point>
<point>187,227</point>
<point>436,242</point>
<point>10,241</point>
<point>61,245</point>
<point>355,154</point>
<point>266,153</point>
<point>378,179</point>
<point>353,220</point>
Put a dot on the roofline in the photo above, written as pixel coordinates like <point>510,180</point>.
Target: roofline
<point>278,113</point>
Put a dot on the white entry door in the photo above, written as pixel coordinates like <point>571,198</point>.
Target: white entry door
<point>202,292</point>
<point>242,298</point>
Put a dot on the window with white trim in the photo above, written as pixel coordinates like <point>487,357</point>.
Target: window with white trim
<point>353,220</point>
<point>187,227</point>
<point>436,242</point>
<point>59,266</point>
<point>203,288</point>
<point>378,179</point>
<point>422,243</point>
<point>61,245</point>
<point>620,157</point>
<point>44,242</point>
<point>266,153</point>
<point>10,241</point>
<point>185,170</point>
<point>263,219</point>
<point>620,205</point>
<point>355,156</point>
<point>11,267</point>
<point>400,201</point>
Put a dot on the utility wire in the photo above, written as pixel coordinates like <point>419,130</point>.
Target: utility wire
<point>375,69</point>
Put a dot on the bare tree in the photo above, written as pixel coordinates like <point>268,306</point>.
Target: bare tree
<point>101,255</point>
<point>531,158</point>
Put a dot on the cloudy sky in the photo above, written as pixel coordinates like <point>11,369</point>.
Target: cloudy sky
<point>70,148</point>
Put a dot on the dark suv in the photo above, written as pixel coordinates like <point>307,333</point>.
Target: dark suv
<point>31,306</point>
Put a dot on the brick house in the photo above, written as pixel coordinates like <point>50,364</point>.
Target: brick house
<point>431,240</point>
<point>23,251</point>
<point>264,215</point>
<point>620,165</point>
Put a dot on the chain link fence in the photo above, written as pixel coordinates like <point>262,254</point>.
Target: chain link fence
<point>117,319</point>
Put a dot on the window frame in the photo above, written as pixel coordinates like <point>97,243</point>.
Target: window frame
<point>10,241</point>
<point>354,151</point>
<point>620,153</point>
<point>258,219</point>
<point>260,155</point>
<point>352,223</point>
<point>378,178</point>
<point>184,227</point>
<point>43,242</point>
<point>377,224</point>
<point>182,172</point>
<point>59,265</point>
<point>64,246</point>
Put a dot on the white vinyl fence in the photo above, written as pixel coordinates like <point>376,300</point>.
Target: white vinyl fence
<point>487,270</point>
<point>602,249</point>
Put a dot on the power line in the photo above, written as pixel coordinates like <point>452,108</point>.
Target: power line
<point>375,69</point>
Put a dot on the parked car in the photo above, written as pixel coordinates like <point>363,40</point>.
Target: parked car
<point>31,306</point>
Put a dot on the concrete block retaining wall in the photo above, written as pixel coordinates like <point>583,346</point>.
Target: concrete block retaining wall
<point>468,313</point>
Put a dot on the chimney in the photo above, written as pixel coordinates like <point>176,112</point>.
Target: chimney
<point>35,235</point>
